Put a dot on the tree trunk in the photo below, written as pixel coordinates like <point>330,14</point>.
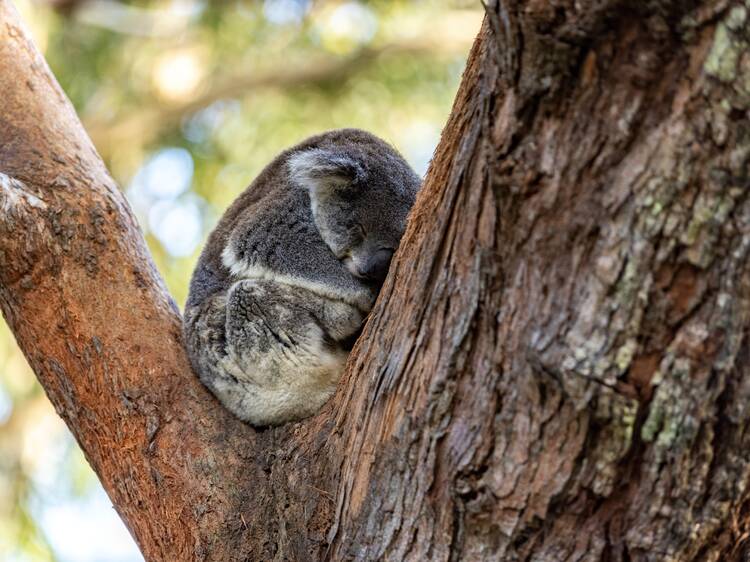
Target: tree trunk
<point>557,367</point>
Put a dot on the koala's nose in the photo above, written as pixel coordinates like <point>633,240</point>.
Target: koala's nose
<point>376,267</point>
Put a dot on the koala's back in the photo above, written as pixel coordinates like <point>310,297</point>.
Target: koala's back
<point>271,227</point>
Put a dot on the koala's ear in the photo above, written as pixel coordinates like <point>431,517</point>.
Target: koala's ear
<point>324,171</point>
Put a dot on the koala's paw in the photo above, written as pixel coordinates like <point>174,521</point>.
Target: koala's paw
<point>340,320</point>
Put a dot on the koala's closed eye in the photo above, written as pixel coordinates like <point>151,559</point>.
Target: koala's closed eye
<point>357,235</point>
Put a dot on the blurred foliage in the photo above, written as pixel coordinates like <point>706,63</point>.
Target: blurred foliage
<point>186,101</point>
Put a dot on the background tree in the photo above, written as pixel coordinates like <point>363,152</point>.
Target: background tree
<point>555,369</point>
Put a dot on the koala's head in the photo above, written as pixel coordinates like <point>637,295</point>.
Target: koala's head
<point>361,191</point>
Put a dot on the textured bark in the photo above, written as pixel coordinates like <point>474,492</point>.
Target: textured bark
<point>557,368</point>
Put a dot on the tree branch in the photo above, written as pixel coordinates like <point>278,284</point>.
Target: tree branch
<point>95,322</point>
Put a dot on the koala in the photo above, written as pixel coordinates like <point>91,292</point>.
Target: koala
<point>287,277</point>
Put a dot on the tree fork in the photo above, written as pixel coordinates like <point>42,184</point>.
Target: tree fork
<point>557,367</point>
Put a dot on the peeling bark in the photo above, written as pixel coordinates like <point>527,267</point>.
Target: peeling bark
<point>556,369</point>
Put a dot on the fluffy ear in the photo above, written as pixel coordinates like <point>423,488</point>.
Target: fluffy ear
<point>324,171</point>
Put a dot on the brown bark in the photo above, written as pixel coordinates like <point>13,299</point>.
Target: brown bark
<point>557,368</point>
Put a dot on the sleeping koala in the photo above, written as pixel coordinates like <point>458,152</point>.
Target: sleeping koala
<point>289,274</point>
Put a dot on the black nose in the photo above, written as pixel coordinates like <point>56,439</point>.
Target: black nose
<point>376,267</point>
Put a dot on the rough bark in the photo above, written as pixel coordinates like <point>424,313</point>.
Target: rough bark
<point>557,368</point>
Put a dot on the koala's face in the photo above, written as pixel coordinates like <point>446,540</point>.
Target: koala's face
<point>360,200</point>
<point>363,228</point>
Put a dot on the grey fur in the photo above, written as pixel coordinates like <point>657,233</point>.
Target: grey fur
<point>291,271</point>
